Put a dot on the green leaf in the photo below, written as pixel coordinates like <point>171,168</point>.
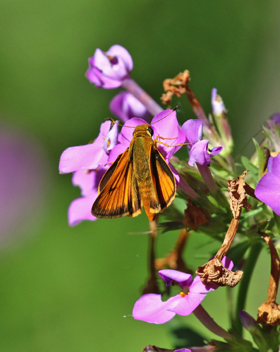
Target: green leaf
<point>277,222</point>
<point>251,213</point>
<point>261,157</point>
<point>252,168</point>
<point>170,226</point>
<point>236,253</point>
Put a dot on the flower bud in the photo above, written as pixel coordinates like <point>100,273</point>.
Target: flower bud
<point>108,69</point>
<point>248,321</point>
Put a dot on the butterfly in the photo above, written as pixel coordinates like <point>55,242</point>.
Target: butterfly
<point>139,177</point>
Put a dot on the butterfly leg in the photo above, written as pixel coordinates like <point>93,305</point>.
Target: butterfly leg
<point>169,145</point>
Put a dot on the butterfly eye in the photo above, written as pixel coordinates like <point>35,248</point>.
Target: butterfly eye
<point>150,130</point>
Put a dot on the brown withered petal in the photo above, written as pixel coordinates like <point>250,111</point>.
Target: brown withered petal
<point>238,195</point>
<point>166,98</point>
<point>195,216</point>
<point>214,272</point>
<point>176,85</point>
<point>269,313</point>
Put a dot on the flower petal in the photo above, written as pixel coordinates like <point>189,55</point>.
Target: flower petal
<point>215,151</point>
<point>228,264</point>
<point>108,70</point>
<point>115,152</point>
<point>127,131</point>
<point>134,108</point>
<point>84,157</point>
<point>120,51</point>
<point>111,138</point>
<point>93,77</point>
<point>170,275</point>
<point>125,106</point>
<point>166,126</point>
<point>193,130</point>
<point>186,305</point>
<point>218,105</point>
<point>151,309</point>
<point>87,156</point>
<point>275,118</point>
<point>268,191</point>
<point>199,154</point>
<point>274,165</point>
<point>198,287</point>
<point>116,106</point>
<point>88,180</point>
<point>80,209</point>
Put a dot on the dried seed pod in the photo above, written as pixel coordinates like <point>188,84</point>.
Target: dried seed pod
<point>214,272</point>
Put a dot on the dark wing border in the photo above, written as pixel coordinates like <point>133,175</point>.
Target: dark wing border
<point>163,179</point>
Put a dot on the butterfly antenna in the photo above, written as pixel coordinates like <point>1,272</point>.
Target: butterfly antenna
<point>114,122</point>
<point>174,109</point>
<point>249,141</point>
<point>129,126</point>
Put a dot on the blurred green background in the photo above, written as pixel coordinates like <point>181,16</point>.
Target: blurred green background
<point>73,289</point>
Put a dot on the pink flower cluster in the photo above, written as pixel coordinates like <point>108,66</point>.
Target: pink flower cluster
<point>89,162</point>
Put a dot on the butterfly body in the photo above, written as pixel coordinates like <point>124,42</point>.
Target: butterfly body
<point>138,177</point>
<point>141,147</point>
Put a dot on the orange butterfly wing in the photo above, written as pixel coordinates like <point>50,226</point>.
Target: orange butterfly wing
<point>163,180</point>
<point>118,191</point>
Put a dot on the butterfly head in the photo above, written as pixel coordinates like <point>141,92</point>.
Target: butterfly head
<point>143,130</point>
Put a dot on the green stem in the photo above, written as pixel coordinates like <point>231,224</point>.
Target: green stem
<point>244,284</point>
<point>210,183</point>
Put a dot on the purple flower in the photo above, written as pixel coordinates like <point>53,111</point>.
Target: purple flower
<point>167,129</point>
<point>199,148</point>
<point>218,105</point>
<point>108,69</point>
<point>125,106</point>
<point>90,156</point>
<point>268,188</point>
<point>273,131</point>
<point>88,163</point>
<point>274,119</point>
<point>88,181</point>
<point>152,309</point>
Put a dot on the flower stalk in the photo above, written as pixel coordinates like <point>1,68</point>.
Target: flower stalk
<point>269,311</point>
<point>152,285</point>
<point>132,87</point>
<point>245,283</point>
<point>211,184</point>
<point>210,324</point>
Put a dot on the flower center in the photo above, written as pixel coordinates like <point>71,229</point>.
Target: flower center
<point>182,294</point>
<point>113,59</point>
